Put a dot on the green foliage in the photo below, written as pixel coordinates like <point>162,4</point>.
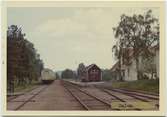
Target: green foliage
<point>68,74</point>
<point>81,70</point>
<point>106,75</point>
<point>148,65</point>
<point>32,63</point>
<point>57,76</point>
<point>138,32</point>
<point>14,32</point>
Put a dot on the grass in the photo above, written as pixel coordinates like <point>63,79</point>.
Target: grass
<point>151,86</point>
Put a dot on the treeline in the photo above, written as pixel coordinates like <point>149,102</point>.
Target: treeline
<point>68,74</point>
<point>23,62</point>
<point>107,75</point>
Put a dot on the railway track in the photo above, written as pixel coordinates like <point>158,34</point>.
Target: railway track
<point>27,97</point>
<point>140,96</point>
<point>87,100</point>
<point>92,98</point>
<point>118,99</point>
<point>140,99</point>
<point>137,91</point>
<point>33,96</point>
<point>10,98</point>
<point>136,97</point>
<point>122,100</point>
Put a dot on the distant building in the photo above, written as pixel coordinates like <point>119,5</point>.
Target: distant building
<point>115,71</point>
<point>128,70</point>
<point>92,74</point>
<point>129,66</point>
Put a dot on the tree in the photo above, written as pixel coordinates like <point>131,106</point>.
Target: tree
<point>35,64</point>
<point>68,74</point>
<point>14,32</point>
<point>106,75</point>
<point>80,70</point>
<point>139,32</point>
<point>148,65</point>
<point>23,59</point>
<point>57,75</point>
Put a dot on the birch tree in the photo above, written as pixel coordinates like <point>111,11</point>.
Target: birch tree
<point>139,32</point>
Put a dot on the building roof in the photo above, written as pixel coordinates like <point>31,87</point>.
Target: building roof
<point>115,66</point>
<point>90,66</point>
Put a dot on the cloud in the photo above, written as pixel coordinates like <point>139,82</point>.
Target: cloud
<point>61,26</point>
<point>81,35</point>
<point>88,23</point>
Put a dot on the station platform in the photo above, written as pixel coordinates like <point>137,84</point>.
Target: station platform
<point>85,84</point>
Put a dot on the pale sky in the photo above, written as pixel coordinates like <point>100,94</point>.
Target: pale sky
<point>65,37</point>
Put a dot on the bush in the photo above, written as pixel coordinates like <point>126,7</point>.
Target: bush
<point>106,76</point>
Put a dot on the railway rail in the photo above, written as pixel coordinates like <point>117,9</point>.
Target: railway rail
<point>12,97</point>
<point>138,96</point>
<point>141,99</point>
<point>122,100</point>
<point>31,94</point>
<point>137,91</point>
<point>87,100</point>
<point>144,97</point>
<point>106,91</point>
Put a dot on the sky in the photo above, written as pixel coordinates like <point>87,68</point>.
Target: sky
<point>67,36</point>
